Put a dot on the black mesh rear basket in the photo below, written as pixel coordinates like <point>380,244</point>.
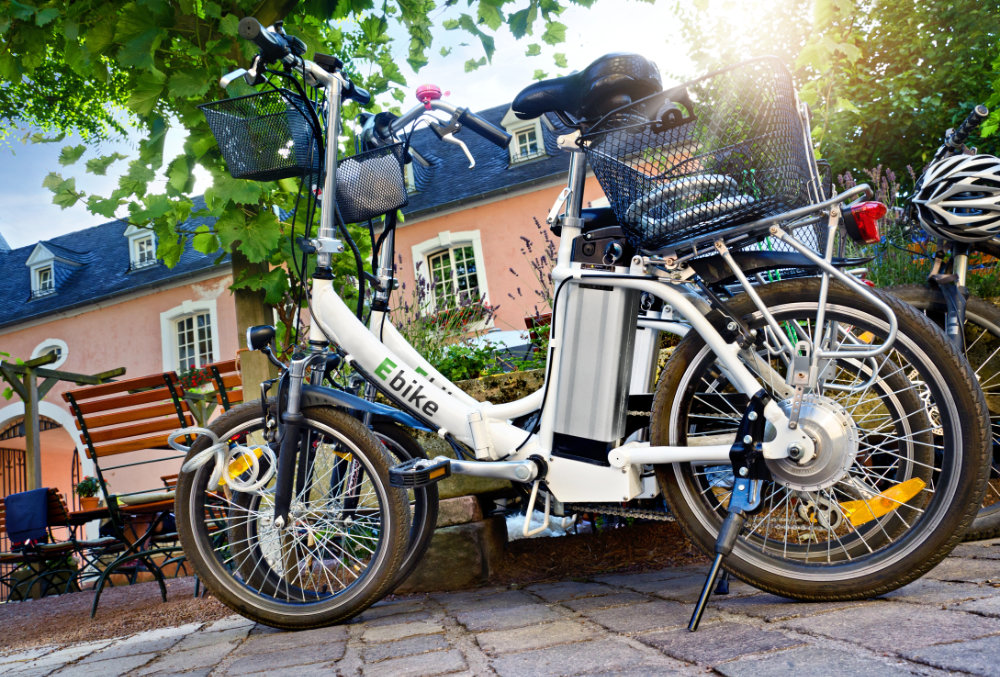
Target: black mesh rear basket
<point>697,160</point>
<point>371,183</point>
<point>265,136</point>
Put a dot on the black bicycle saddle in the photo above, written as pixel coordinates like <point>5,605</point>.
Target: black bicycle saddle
<point>613,80</point>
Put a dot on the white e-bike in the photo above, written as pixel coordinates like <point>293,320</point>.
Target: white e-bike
<point>789,431</point>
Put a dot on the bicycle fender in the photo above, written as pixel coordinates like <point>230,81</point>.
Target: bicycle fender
<point>331,397</point>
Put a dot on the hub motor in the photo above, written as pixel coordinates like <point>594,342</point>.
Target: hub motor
<point>832,430</point>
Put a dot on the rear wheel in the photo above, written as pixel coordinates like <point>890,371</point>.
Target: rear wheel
<point>982,350</point>
<point>885,498</point>
<point>347,531</point>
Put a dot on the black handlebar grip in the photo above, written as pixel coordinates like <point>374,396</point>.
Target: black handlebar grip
<point>488,131</point>
<point>969,125</point>
<point>359,94</point>
<point>272,46</point>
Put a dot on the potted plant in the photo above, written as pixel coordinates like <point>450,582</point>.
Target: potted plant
<point>87,489</point>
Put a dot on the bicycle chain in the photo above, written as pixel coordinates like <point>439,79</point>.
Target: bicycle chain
<point>621,511</point>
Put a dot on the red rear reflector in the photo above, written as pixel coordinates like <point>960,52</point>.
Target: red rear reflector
<point>861,221</point>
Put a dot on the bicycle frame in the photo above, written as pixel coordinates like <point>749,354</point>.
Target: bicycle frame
<point>395,368</point>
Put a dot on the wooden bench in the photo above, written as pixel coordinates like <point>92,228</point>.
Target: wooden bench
<point>228,382</point>
<point>125,424</point>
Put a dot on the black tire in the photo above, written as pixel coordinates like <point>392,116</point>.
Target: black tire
<point>982,343</point>
<point>802,543</point>
<point>423,501</point>
<point>348,535</point>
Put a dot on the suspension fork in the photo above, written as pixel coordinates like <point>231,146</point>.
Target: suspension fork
<point>956,296</point>
<point>293,422</point>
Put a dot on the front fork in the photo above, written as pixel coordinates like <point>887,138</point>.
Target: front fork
<point>292,438</point>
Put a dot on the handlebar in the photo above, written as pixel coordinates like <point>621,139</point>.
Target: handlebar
<point>955,139</point>
<point>488,131</point>
<point>485,129</point>
<point>273,46</point>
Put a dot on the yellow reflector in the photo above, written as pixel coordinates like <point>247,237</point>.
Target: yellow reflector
<point>860,512</point>
<point>866,337</point>
<point>239,466</point>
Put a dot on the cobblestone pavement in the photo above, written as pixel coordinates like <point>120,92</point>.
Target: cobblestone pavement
<point>946,623</point>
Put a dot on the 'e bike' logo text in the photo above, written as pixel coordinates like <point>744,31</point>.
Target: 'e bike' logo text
<point>411,395</point>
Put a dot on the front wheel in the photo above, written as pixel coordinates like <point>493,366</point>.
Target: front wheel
<point>891,488</point>
<point>347,531</point>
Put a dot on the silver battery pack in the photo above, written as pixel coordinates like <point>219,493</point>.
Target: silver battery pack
<point>596,363</point>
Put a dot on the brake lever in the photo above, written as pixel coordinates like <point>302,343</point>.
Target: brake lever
<point>230,78</point>
<point>451,138</point>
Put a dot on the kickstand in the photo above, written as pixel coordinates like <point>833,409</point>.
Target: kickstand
<point>731,528</point>
<point>749,471</point>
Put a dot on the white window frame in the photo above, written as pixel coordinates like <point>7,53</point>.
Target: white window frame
<point>448,240</point>
<point>136,236</point>
<point>520,156</point>
<point>48,344</point>
<point>41,260</point>
<point>515,126</point>
<point>45,280</point>
<point>168,330</point>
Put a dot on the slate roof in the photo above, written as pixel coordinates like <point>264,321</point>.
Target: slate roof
<point>448,182</point>
<point>99,271</point>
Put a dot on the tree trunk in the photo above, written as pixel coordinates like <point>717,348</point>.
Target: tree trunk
<point>251,310</point>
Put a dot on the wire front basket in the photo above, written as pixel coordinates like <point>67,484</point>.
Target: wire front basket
<point>265,136</point>
<point>697,160</point>
<point>371,183</point>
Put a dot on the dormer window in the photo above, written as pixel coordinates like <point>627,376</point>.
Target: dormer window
<point>528,142</point>
<point>44,283</point>
<point>145,252</point>
<point>141,247</point>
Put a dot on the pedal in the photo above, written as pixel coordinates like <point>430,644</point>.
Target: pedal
<point>419,472</point>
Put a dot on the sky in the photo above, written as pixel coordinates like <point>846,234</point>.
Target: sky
<point>27,214</point>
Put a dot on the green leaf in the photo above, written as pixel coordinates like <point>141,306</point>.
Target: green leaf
<point>70,154</point>
<point>534,49</point>
<point>139,32</point>
<point>52,181</point>
<point>65,194</point>
<point>99,36</point>
<point>256,238</point>
<point>225,189</point>
<point>169,247</point>
<point>473,64</point>
<point>154,207</point>
<point>520,22</point>
<point>229,25</point>
<point>147,93</point>
<point>179,176</point>
<point>99,165</point>
<point>105,207</point>
<point>555,33</point>
<point>560,60</point>
<point>188,84</point>
<point>539,75</point>
<point>135,181</point>
<point>205,240</point>
<point>46,16</point>
<point>450,24</point>
<point>490,14</point>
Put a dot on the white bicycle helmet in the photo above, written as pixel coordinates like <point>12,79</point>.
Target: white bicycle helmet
<point>959,198</point>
